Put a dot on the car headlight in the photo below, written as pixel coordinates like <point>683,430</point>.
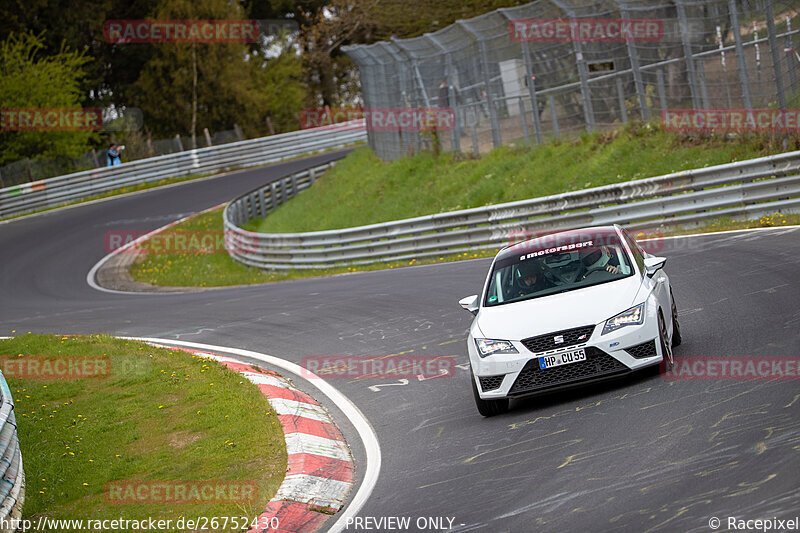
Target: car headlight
<point>630,317</point>
<point>487,347</point>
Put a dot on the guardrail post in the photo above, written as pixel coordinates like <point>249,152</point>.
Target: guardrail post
<point>312,175</point>
<point>553,114</point>
<point>273,195</point>
<point>773,48</point>
<point>740,57</point>
<point>251,206</point>
<point>262,207</point>
<point>294,185</point>
<point>621,95</point>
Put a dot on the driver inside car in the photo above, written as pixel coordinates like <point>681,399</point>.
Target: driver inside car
<point>599,259</point>
<point>531,278</point>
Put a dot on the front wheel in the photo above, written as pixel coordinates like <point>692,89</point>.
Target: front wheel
<point>666,348</point>
<point>487,407</point>
<point>676,327</point>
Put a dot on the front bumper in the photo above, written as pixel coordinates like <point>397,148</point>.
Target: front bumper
<point>617,353</point>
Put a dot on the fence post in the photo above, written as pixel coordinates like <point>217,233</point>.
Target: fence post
<point>29,169</point>
<point>238,131</point>
<point>537,120</point>
<point>789,51</point>
<point>178,143</point>
<point>473,133</point>
<point>553,113</point>
<point>583,74</point>
<point>207,136</point>
<point>621,94</point>
<point>687,51</point>
<point>497,140</point>
<point>740,58</point>
<point>701,76</point>
<point>1,181</point>
<point>633,55</point>
<point>455,133</point>
<point>524,120</point>
<point>773,48</point>
<point>662,93</point>
<point>531,81</point>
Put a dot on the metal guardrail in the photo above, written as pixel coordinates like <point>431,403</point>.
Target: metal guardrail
<point>63,189</point>
<point>753,188</point>
<point>12,477</point>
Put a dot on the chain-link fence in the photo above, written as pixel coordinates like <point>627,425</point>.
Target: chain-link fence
<point>551,67</point>
<point>139,147</point>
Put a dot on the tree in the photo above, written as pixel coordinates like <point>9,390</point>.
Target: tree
<point>28,80</point>
<point>186,87</point>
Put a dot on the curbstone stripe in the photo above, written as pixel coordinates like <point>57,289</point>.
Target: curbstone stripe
<point>319,473</point>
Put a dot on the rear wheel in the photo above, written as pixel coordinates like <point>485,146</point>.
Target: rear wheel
<point>676,327</point>
<point>666,348</point>
<point>488,407</point>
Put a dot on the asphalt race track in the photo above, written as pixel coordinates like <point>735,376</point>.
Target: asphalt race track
<point>641,454</point>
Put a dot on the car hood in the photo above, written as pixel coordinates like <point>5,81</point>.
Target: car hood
<point>581,307</point>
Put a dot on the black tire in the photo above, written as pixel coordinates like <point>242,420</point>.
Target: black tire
<point>677,339</point>
<point>487,407</point>
<point>666,348</point>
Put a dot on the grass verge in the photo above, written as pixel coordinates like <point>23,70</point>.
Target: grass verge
<point>362,189</point>
<point>159,415</point>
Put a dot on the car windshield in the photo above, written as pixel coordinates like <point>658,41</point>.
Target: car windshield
<point>562,267</point>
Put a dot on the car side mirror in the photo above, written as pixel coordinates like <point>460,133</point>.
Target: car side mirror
<point>653,264</point>
<point>470,303</point>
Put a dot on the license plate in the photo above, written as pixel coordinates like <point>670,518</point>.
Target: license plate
<point>563,358</point>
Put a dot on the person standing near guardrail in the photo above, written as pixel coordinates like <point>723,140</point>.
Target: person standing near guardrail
<point>112,155</point>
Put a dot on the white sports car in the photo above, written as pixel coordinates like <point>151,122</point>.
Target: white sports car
<point>567,309</point>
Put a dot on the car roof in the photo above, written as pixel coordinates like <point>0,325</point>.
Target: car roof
<point>551,239</point>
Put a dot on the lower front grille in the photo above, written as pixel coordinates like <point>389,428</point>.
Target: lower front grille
<point>566,337</point>
<point>491,382</point>
<point>597,364</point>
<point>641,351</point>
